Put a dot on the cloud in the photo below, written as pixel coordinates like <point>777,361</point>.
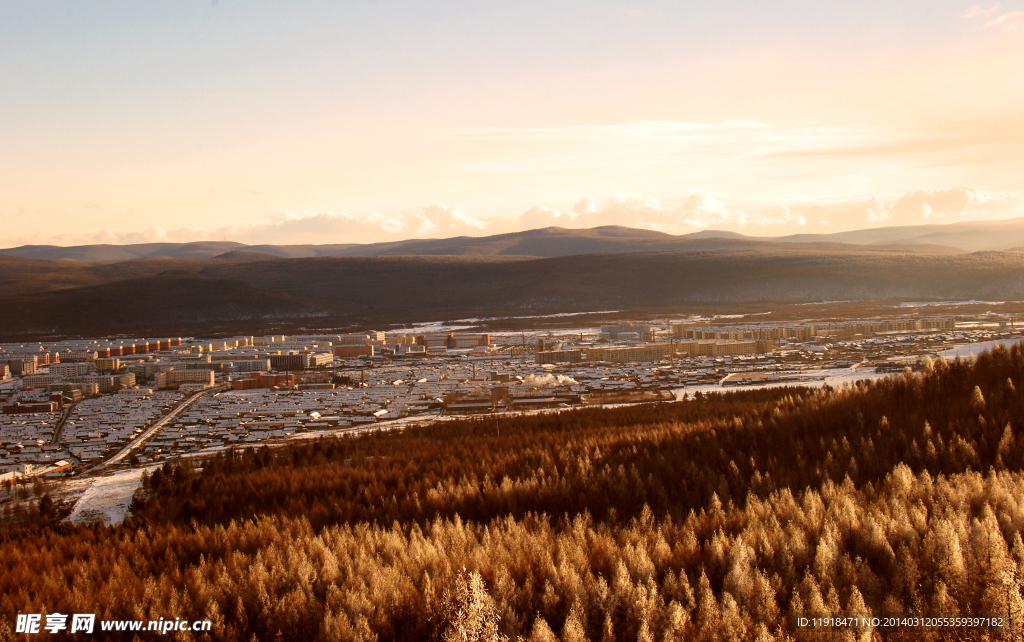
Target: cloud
<point>703,211</point>
<point>844,214</point>
<point>585,206</point>
<point>106,236</point>
<point>148,235</point>
<point>1007,21</point>
<point>631,209</point>
<point>699,211</point>
<point>284,226</point>
<point>290,223</point>
<point>631,206</point>
<point>914,208</point>
<point>978,10</point>
<point>446,219</point>
<point>1010,21</point>
<point>959,203</point>
<point>875,210</point>
<point>326,227</point>
<point>539,216</point>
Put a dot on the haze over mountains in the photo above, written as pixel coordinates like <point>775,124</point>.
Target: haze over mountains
<point>553,241</point>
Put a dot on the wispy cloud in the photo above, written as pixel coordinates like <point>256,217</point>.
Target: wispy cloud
<point>735,160</point>
<point>576,133</point>
<point>978,10</point>
<point>1005,21</point>
<point>1009,21</point>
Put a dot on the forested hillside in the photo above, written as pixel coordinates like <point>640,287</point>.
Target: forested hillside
<point>717,518</point>
<point>253,293</point>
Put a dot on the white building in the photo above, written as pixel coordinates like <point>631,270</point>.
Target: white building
<point>71,369</point>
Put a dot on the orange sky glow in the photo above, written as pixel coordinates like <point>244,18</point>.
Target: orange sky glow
<point>375,121</point>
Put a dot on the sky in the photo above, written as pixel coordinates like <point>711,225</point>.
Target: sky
<point>358,121</point>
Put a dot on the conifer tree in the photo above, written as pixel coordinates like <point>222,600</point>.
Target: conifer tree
<point>467,613</point>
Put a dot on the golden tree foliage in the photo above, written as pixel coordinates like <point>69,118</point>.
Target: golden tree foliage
<point>720,518</point>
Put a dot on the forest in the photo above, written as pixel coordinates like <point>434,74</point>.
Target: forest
<point>721,517</point>
<point>249,292</point>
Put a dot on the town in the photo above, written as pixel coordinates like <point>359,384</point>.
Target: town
<point>76,406</point>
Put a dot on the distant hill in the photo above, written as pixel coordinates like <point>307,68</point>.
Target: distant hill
<point>968,236</point>
<point>716,234</point>
<point>424,286</point>
<point>246,256</point>
<point>245,291</point>
<point>547,242</point>
<point>552,241</point>
<point>115,253</point>
<point>166,303</point>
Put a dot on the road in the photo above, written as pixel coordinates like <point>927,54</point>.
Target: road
<point>59,428</point>
<point>163,421</point>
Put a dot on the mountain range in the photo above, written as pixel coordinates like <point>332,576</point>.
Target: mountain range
<point>246,289</point>
<point>553,241</point>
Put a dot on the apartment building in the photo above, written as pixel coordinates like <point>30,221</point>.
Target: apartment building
<point>71,369</point>
<point>173,379</point>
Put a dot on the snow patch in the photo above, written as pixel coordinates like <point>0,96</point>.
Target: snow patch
<point>106,499</point>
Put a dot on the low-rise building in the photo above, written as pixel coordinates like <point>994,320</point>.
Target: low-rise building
<point>643,331</point>
<point>107,364</point>
<point>173,379</point>
<point>76,355</point>
<point>460,340</point>
<point>320,359</point>
<point>261,380</point>
<point>648,352</point>
<point>261,364</point>
<point>350,351</point>
<point>107,383</point>
<point>726,348</point>
<point>74,391</point>
<point>295,361</point>
<point>38,406</point>
<point>40,380</point>
<point>23,366</point>
<point>71,368</point>
<point>561,356</point>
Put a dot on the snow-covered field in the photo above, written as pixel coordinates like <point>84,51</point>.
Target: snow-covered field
<point>812,378</point>
<point>966,350</point>
<point>107,498</point>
